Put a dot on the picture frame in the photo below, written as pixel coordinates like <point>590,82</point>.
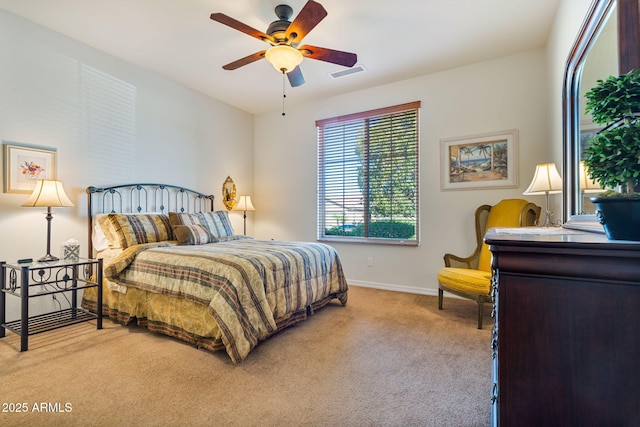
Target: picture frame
<point>587,132</point>
<point>483,161</point>
<point>25,164</point>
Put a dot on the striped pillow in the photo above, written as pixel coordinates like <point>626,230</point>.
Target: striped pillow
<point>176,218</point>
<point>196,234</point>
<point>218,223</point>
<point>136,229</point>
<point>113,241</point>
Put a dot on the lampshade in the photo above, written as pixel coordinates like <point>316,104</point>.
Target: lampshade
<point>48,193</point>
<point>244,204</point>
<point>588,185</point>
<point>546,180</point>
<point>283,57</point>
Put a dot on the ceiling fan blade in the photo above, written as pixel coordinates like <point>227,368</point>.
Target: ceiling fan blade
<point>295,77</point>
<point>237,25</point>
<point>329,55</point>
<point>310,15</point>
<point>244,61</point>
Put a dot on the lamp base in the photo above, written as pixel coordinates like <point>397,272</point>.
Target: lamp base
<point>547,215</point>
<point>547,221</point>
<point>48,258</point>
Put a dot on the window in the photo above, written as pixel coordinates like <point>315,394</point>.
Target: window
<point>368,176</point>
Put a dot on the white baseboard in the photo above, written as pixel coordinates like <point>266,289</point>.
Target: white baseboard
<point>391,287</point>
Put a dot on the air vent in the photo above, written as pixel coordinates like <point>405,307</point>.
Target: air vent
<point>348,71</point>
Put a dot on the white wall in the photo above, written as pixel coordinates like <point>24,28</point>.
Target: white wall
<point>497,95</point>
<point>111,122</point>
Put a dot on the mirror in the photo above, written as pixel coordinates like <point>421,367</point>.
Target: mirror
<point>593,57</point>
<point>601,62</point>
<point>609,35</point>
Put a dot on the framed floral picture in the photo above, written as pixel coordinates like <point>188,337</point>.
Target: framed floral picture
<point>25,164</point>
<point>479,161</point>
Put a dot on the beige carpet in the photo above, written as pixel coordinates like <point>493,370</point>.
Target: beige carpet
<point>387,359</point>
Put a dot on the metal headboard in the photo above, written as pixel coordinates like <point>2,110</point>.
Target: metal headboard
<point>141,198</point>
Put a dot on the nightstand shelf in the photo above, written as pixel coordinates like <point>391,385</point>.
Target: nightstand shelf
<point>36,280</point>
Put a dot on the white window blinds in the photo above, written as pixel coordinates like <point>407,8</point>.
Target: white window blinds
<point>368,176</point>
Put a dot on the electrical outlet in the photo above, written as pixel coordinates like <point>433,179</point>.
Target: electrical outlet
<point>370,261</point>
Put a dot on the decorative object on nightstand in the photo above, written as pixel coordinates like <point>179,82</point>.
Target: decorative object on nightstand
<point>50,194</point>
<point>70,250</point>
<point>244,204</point>
<point>546,180</point>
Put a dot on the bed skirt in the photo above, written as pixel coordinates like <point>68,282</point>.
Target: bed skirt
<point>183,319</point>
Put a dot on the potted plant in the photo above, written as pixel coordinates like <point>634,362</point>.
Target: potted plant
<point>612,157</point>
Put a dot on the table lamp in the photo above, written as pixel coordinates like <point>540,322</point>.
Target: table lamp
<point>588,185</point>
<point>546,180</point>
<point>50,194</point>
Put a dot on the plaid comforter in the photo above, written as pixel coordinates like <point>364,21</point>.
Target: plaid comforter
<point>251,286</point>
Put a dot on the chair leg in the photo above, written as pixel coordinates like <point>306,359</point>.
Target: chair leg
<point>480,311</point>
<point>440,293</point>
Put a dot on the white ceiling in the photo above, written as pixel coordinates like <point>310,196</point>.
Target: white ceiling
<point>394,40</point>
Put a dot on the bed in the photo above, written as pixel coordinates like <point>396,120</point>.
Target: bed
<point>174,265</point>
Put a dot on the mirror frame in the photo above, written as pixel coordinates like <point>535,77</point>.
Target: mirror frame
<point>594,22</point>
<point>628,59</point>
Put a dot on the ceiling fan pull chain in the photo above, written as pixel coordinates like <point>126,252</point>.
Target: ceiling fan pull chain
<point>284,95</point>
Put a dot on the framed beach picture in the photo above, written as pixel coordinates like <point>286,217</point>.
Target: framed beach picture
<point>25,164</point>
<point>479,161</point>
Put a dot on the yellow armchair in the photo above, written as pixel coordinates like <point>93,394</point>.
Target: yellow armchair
<point>470,277</point>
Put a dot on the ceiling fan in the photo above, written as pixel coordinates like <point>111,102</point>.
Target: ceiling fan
<point>284,37</point>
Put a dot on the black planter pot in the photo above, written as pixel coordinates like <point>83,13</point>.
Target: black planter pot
<point>620,216</point>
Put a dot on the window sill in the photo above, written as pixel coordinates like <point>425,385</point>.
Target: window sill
<point>369,241</point>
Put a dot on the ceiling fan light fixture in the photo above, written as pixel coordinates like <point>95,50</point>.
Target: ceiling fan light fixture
<point>283,57</point>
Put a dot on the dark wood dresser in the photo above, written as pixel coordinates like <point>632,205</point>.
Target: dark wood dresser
<point>566,339</point>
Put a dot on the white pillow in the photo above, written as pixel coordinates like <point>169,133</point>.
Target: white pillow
<point>98,238</point>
